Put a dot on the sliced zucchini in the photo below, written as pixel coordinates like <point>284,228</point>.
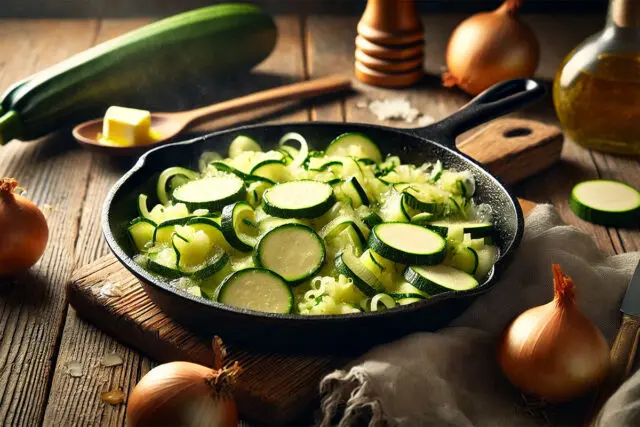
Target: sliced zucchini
<point>192,247</point>
<point>164,263</point>
<point>212,229</point>
<point>212,193</point>
<point>340,224</point>
<point>356,145</point>
<point>273,170</point>
<point>225,168</point>
<point>143,209</point>
<point>475,244</point>
<point>256,289</point>
<point>347,263</point>
<point>239,226</point>
<point>436,172</point>
<point>487,257</point>
<point>401,296</point>
<point>301,157</point>
<point>242,143</point>
<point>164,231</point>
<point>166,176</point>
<point>298,199</point>
<point>393,209</point>
<point>422,218</point>
<point>348,237</point>
<point>423,197</point>
<point>256,190</point>
<point>382,302</point>
<point>475,229</point>
<point>141,232</point>
<point>407,243</point>
<point>436,279</point>
<point>210,268</point>
<point>465,259</point>
<point>294,251</point>
<point>606,202</point>
<point>370,218</point>
<point>354,191</point>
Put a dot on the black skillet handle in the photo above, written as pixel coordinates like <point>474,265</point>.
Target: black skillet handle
<point>499,99</point>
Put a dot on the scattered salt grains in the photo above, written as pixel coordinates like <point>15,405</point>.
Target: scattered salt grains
<point>394,109</point>
<point>74,369</point>
<point>426,120</point>
<point>111,360</point>
<point>111,290</point>
<point>113,397</point>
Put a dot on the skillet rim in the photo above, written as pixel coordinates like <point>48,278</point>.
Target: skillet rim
<point>149,279</point>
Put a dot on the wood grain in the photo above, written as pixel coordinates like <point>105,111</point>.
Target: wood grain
<point>76,401</point>
<point>32,305</point>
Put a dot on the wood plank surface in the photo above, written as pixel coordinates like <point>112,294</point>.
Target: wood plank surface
<point>38,334</point>
<point>76,400</point>
<point>54,172</point>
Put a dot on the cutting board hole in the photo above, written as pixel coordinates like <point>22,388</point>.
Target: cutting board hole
<point>514,133</point>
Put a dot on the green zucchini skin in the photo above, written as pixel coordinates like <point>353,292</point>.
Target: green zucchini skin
<point>209,41</point>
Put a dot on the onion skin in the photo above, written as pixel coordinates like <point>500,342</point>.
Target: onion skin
<point>490,47</point>
<point>23,230</point>
<point>181,394</point>
<point>553,351</point>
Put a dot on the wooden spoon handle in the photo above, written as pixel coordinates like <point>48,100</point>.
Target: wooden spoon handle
<point>296,91</point>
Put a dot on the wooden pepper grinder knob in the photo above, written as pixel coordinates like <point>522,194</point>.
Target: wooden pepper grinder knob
<point>390,44</point>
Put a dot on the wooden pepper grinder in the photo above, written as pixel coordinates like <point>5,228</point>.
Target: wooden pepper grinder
<point>390,44</point>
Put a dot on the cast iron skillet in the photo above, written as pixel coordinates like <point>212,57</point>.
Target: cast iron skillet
<point>337,332</point>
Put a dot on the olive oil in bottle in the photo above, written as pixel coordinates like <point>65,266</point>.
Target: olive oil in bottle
<point>597,90</point>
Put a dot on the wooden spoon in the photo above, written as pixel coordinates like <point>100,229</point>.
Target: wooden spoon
<point>168,125</point>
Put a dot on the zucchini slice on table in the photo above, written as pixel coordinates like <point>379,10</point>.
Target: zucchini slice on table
<point>354,144</point>
<point>239,226</point>
<point>606,202</point>
<point>436,279</point>
<point>407,243</point>
<point>141,231</point>
<point>475,229</point>
<point>349,264</point>
<point>298,199</point>
<point>294,251</point>
<point>256,289</point>
<point>212,193</point>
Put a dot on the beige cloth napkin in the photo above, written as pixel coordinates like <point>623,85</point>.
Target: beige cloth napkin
<point>451,378</point>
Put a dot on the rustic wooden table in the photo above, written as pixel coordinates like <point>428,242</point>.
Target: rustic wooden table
<point>40,334</point>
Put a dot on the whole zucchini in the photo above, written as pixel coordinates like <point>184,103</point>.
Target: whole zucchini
<point>203,42</point>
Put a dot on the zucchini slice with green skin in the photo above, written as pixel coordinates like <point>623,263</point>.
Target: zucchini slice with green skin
<point>242,143</point>
<point>407,243</point>
<point>354,144</point>
<point>298,199</point>
<point>487,257</point>
<point>350,265</point>
<point>437,279</point>
<point>256,190</point>
<point>294,251</point>
<point>239,226</point>
<point>303,153</point>
<point>340,224</point>
<point>475,229</point>
<point>164,263</point>
<point>371,218</point>
<point>401,296</point>
<point>465,259</point>
<point>422,218</point>
<point>167,175</point>
<point>223,167</point>
<point>164,231</point>
<point>141,231</point>
<point>352,189</point>
<point>193,248</point>
<point>256,289</point>
<point>272,170</point>
<point>212,229</point>
<point>213,265</point>
<point>212,193</point>
<point>606,202</point>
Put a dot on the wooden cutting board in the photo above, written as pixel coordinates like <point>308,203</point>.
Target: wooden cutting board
<point>277,389</point>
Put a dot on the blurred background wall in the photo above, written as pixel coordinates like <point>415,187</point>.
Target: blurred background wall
<point>123,8</point>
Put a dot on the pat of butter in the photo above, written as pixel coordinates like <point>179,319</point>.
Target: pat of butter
<point>126,127</point>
